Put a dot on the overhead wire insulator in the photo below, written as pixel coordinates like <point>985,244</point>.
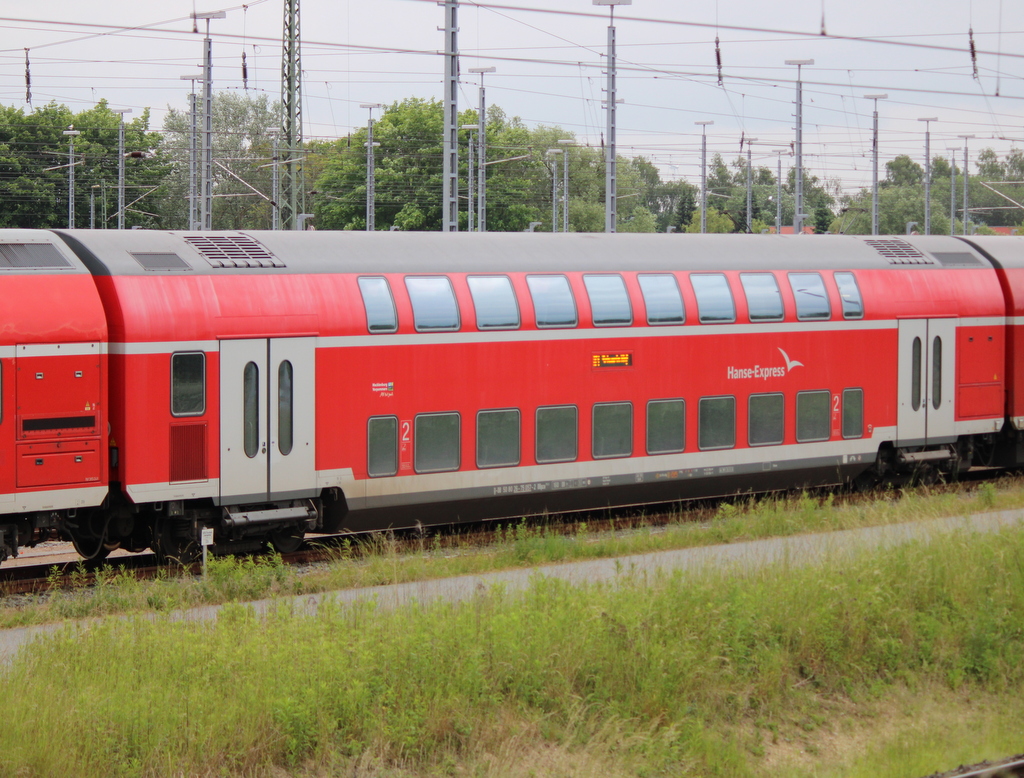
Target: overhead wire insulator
<point>974,52</point>
<point>245,73</point>
<point>28,80</point>
<point>718,60</point>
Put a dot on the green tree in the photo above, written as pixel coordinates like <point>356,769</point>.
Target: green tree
<point>716,222</point>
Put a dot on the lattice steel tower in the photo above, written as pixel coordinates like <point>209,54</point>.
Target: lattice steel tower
<point>292,194</point>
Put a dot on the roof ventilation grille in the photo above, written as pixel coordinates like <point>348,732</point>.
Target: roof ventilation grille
<point>233,251</point>
<point>31,255</point>
<point>899,252</point>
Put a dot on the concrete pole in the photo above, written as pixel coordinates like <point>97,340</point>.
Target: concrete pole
<point>371,171</point>
<point>778,196</point>
<point>798,213</point>
<point>469,174</point>
<point>750,187</point>
<point>481,140</point>
<point>565,183</point>
<point>927,176</point>
<point>704,175</point>
<point>553,153</point>
<point>206,207</point>
<point>71,134</point>
<point>952,191</point>
<point>967,179</point>
<point>193,154</point>
<point>874,165</point>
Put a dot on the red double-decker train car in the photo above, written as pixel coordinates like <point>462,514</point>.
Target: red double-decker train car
<point>265,384</point>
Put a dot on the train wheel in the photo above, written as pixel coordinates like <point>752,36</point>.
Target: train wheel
<point>92,548</point>
<point>287,541</point>
<point>173,544</point>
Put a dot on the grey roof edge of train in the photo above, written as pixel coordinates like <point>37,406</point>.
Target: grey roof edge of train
<point>108,252</point>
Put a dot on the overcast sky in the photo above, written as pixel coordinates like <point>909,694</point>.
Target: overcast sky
<point>548,55</point>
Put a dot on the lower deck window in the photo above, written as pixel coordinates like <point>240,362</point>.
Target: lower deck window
<point>716,425</point>
<point>188,384</point>
<point>612,430</point>
<point>497,438</point>
<point>765,422</point>
<point>382,446</point>
<point>436,442</point>
<point>853,413</point>
<point>556,434</point>
<point>812,416</point>
<point>666,428</point>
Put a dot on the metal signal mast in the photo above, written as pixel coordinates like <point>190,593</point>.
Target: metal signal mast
<point>291,119</point>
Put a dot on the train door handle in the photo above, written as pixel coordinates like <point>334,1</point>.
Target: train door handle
<point>264,451</point>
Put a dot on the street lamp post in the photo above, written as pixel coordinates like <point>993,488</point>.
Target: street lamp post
<point>704,175</point>
<point>966,179</point>
<point>610,180</point>
<point>120,167</point>
<point>798,213</point>
<point>927,175</point>
<point>371,173</point>
<point>874,164</point>
<point>553,153</point>
<point>481,147</point>
<point>72,134</point>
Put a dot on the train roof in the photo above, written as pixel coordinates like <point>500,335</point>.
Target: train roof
<point>149,252</point>
<point>35,252</point>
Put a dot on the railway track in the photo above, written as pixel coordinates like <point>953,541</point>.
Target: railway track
<point>1011,768</point>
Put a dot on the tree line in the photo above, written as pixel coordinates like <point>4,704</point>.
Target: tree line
<point>408,177</point>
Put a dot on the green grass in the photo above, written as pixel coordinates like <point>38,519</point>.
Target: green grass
<point>652,675</point>
<point>379,561</point>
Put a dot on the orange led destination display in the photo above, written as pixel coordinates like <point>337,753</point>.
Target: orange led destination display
<point>622,359</point>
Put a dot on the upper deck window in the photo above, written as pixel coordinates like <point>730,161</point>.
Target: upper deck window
<point>495,302</point>
<point>433,303</point>
<point>609,303</point>
<point>380,306</point>
<point>853,307</point>
<point>553,303</point>
<point>764,300</point>
<point>714,298</point>
<point>662,299</point>
<point>810,295</point>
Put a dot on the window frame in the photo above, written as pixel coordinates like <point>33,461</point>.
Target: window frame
<point>852,390</point>
<point>533,301</point>
<point>519,438</point>
<point>412,303</point>
<point>828,415</point>
<point>536,434</point>
<point>186,414</point>
<point>782,426</point>
<point>746,295</point>
<point>842,298</point>
<point>696,293</point>
<point>476,307</point>
<point>369,438</point>
<point>593,427</point>
<point>647,436</point>
<point>416,442</point>
<point>366,310</point>
<point>797,296</point>
<point>700,402</point>
<point>590,299</point>
<point>647,307</point>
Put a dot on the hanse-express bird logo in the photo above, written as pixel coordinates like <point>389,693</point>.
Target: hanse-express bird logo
<point>790,363</point>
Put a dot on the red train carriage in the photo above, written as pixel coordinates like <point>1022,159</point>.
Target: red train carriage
<point>269,383</point>
<point>53,396</point>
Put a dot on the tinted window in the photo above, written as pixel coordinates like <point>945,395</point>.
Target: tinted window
<point>556,434</point>
<point>382,446</point>
<point>662,299</point>
<point>553,304</point>
<point>497,438</point>
<point>665,426</point>
<point>250,410</point>
<point>764,300</point>
<point>810,295</point>
<point>380,307</point>
<point>915,375</point>
<point>188,384</point>
<point>714,299</point>
<point>495,302</point>
<point>609,303</point>
<point>284,408</point>
<point>853,413</point>
<point>433,303</point>
<point>849,292</point>
<point>436,442</point>
<point>765,423</point>
<point>936,372</point>
<point>613,430</point>
<point>812,416</point>
<point>716,426</point>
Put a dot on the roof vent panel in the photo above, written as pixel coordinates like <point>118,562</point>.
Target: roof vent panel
<point>238,251</point>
